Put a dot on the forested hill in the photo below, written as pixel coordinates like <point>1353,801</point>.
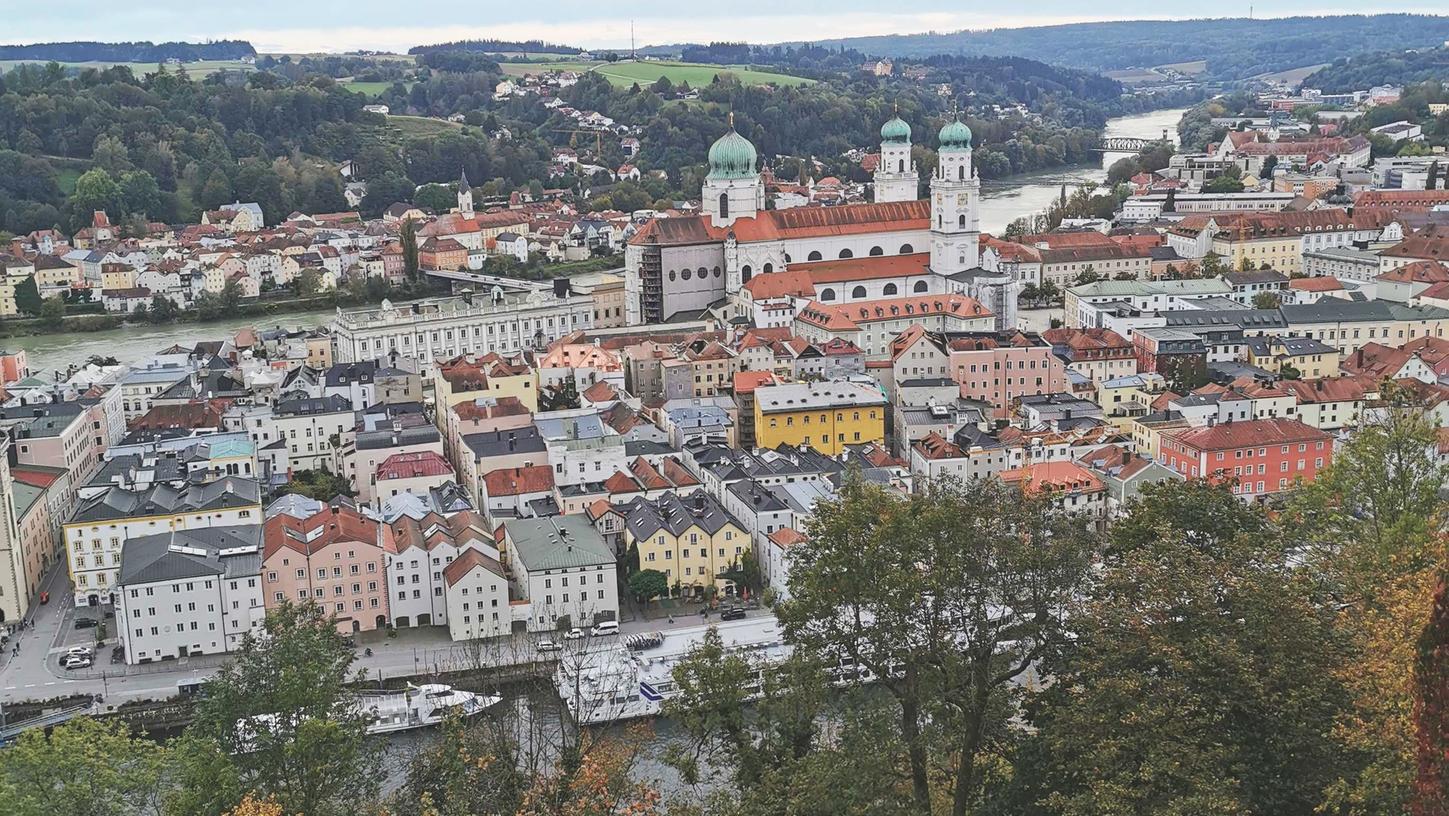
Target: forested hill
<point>129,51</point>
<point>1233,47</point>
<point>498,47</point>
<point>1396,67</point>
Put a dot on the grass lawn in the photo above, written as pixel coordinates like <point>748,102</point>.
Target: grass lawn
<point>65,178</point>
<point>400,129</point>
<point>371,88</point>
<point>645,72</point>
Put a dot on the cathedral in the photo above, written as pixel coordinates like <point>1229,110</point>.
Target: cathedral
<point>736,258</point>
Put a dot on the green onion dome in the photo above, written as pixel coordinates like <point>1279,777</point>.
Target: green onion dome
<point>896,130</point>
<point>955,135</point>
<point>732,157</point>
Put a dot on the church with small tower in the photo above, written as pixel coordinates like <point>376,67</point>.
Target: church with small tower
<point>736,254</point>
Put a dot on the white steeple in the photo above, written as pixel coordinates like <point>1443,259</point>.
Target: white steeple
<point>955,231</point>
<point>465,195</point>
<point>895,175</point>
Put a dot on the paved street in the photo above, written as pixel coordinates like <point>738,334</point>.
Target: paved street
<point>35,673</point>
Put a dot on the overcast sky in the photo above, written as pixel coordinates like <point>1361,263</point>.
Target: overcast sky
<point>342,25</point>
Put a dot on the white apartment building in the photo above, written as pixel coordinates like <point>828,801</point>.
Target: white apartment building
<point>189,592</point>
<point>477,595</point>
<point>563,568</point>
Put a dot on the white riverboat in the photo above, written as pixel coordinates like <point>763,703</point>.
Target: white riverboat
<point>420,706</point>
<point>391,711</point>
<point>631,677</point>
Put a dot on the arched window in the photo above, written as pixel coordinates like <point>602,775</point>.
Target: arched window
<point>814,256</point>
<point>961,172</point>
<point>907,249</point>
<point>858,293</point>
<point>746,272</point>
<point>889,289</point>
<point>827,294</point>
<point>961,221</point>
<point>919,288</point>
<point>900,165</point>
<point>724,205</point>
<point>845,253</point>
<point>940,221</point>
<point>769,267</point>
<point>875,250</point>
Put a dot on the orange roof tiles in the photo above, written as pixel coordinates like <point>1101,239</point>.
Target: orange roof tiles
<point>413,465</point>
<point>868,268</point>
<point>1050,477</point>
<point>1257,432</point>
<point>467,561</point>
<point>518,481</point>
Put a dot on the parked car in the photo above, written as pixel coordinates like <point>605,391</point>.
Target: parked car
<point>732,613</point>
<point>83,651</point>
<point>574,634</point>
<point>549,646</point>
<point>75,661</point>
<point>608,627</point>
<point>86,623</point>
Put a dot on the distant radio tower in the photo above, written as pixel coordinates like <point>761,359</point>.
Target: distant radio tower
<point>1250,12</point>
<point>632,55</point>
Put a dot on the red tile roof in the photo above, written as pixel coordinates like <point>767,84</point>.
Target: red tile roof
<point>1417,272</point>
<point>868,268</point>
<point>792,223</point>
<point>330,525</point>
<point>1253,433</point>
<point>747,381</point>
<point>1044,477</point>
<point>1320,284</point>
<point>412,465</point>
<point>518,481</point>
<point>792,282</point>
<point>849,316</point>
<point>467,561</point>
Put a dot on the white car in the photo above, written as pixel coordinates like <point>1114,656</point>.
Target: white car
<point>549,646</point>
<point>608,627</point>
<point>83,651</point>
<point>75,661</point>
<point>574,634</point>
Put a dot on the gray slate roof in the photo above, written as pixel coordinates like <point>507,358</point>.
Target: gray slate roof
<point>558,542</point>
<point>182,554</point>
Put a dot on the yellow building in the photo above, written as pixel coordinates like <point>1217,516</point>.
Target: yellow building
<point>1124,399</point>
<point>826,416</point>
<point>117,276</point>
<point>1147,432</point>
<point>1311,358</point>
<point>13,272</point>
<point>691,539</point>
<point>466,378</point>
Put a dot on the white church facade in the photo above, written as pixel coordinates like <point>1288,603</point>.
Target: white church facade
<point>736,256</point>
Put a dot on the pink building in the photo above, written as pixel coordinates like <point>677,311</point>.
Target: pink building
<point>337,558</point>
<point>13,366</point>
<point>1002,367</point>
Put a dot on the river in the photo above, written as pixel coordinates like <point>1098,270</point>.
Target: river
<point>136,343</point>
<point>1005,200</point>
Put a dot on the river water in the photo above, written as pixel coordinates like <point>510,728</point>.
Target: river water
<point>1005,200</point>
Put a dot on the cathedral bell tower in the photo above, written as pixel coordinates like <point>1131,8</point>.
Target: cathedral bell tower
<point>895,175</point>
<point>954,192</point>
<point>733,188</point>
<point>465,195</point>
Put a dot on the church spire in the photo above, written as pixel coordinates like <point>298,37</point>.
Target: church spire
<point>465,194</point>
